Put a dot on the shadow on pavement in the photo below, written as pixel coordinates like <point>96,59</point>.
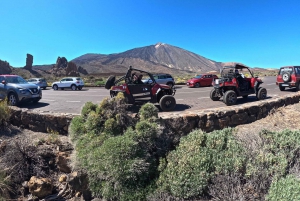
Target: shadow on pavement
<point>33,105</point>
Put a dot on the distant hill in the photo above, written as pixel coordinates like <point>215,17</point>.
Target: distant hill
<point>160,57</point>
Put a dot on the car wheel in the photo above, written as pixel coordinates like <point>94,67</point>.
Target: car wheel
<point>230,97</point>
<point>213,95</point>
<point>110,82</point>
<point>44,88</point>
<point>246,96</point>
<point>197,85</point>
<point>55,87</point>
<point>79,88</point>
<point>167,103</point>
<point>261,94</point>
<point>12,99</point>
<point>281,88</point>
<point>73,87</point>
<point>286,77</point>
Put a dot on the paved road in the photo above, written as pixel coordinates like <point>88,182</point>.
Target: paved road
<point>67,101</point>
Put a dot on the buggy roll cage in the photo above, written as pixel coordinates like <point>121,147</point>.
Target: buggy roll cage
<point>237,66</point>
<point>127,77</point>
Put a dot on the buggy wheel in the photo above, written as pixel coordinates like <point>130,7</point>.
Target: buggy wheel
<point>110,82</point>
<point>213,95</point>
<point>281,88</point>
<point>167,103</point>
<point>261,94</point>
<point>230,97</point>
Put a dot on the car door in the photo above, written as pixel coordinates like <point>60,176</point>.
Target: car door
<point>2,89</point>
<point>62,82</point>
<point>297,73</point>
<point>161,79</point>
<point>209,80</point>
<point>140,92</point>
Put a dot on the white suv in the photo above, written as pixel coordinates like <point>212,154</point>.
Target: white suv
<point>69,82</point>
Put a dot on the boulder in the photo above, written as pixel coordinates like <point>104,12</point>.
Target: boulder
<point>62,162</point>
<point>40,187</point>
<point>29,62</point>
<point>82,70</point>
<point>4,67</point>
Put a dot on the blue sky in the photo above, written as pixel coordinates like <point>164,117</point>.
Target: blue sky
<point>258,33</point>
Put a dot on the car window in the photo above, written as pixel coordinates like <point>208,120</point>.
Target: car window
<point>64,79</point>
<point>198,76</point>
<point>15,80</point>
<point>42,80</point>
<point>1,78</point>
<point>286,69</point>
<point>169,76</point>
<point>209,76</point>
<point>297,70</point>
<point>78,78</point>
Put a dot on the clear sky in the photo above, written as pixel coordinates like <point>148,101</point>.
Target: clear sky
<point>258,33</point>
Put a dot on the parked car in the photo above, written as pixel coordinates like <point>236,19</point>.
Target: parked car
<point>233,83</point>
<point>38,81</point>
<point>68,82</point>
<point>16,90</point>
<point>201,80</point>
<point>288,76</point>
<point>166,79</point>
<point>135,92</point>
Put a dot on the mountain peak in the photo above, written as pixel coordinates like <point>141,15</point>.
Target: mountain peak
<point>157,45</point>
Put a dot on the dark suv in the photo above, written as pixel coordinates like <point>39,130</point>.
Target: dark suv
<point>288,76</point>
<point>16,89</point>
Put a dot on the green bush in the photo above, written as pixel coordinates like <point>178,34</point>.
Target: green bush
<point>87,108</point>
<point>4,112</point>
<point>198,157</point>
<point>287,188</point>
<point>148,111</point>
<point>279,153</point>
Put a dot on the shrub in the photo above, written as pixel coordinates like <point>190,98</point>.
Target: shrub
<point>5,187</point>
<point>148,111</point>
<point>87,108</point>
<point>279,153</point>
<point>287,188</point>
<point>4,112</point>
<point>198,157</point>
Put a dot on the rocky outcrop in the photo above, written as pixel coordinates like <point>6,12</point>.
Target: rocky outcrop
<point>29,62</point>
<point>61,62</point>
<point>82,70</point>
<point>4,67</point>
<point>72,70</point>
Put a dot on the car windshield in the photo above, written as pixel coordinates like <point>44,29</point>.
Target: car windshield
<point>198,76</point>
<point>15,80</point>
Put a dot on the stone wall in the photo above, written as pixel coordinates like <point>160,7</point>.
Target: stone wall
<point>181,122</point>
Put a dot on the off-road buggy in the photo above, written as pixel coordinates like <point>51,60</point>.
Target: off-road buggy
<point>149,91</point>
<point>236,81</point>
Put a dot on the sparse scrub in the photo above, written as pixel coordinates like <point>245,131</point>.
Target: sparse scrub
<point>5,187</point>
<point>285,189</point>
<point>199,157</point>
<point>4,113</point>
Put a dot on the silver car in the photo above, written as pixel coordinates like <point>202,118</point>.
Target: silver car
<point>166,79</point>
<point>16,90</point>
<point>68,82</point>
<point>38,81</point>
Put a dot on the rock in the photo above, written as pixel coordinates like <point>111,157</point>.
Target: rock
<point>82,70</point>
<point>62,178</point>
<point>72,70</point>
<point>4,67</point>
<point>61,62</point>
<point>78,182</point>
<point>62,162</point>
<point>29,61</point>
<point>40,187</point>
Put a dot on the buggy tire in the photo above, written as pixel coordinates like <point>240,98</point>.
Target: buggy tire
<point>110,82</point>
<point>286,77</point>
<point>167,103</point>
<point>213,95</point>
<point>261,94</point>
<point>281,88</point>
<point>230,98</point>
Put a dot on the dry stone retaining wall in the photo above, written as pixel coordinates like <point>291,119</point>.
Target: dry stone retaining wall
<point>181,122</point>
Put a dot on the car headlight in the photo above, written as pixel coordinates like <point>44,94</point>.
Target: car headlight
<point>217,81</point>
<point>192,82</point>
<point>22,91</point>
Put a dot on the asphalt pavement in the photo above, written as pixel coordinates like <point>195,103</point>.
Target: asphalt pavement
<point>188,99</point>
